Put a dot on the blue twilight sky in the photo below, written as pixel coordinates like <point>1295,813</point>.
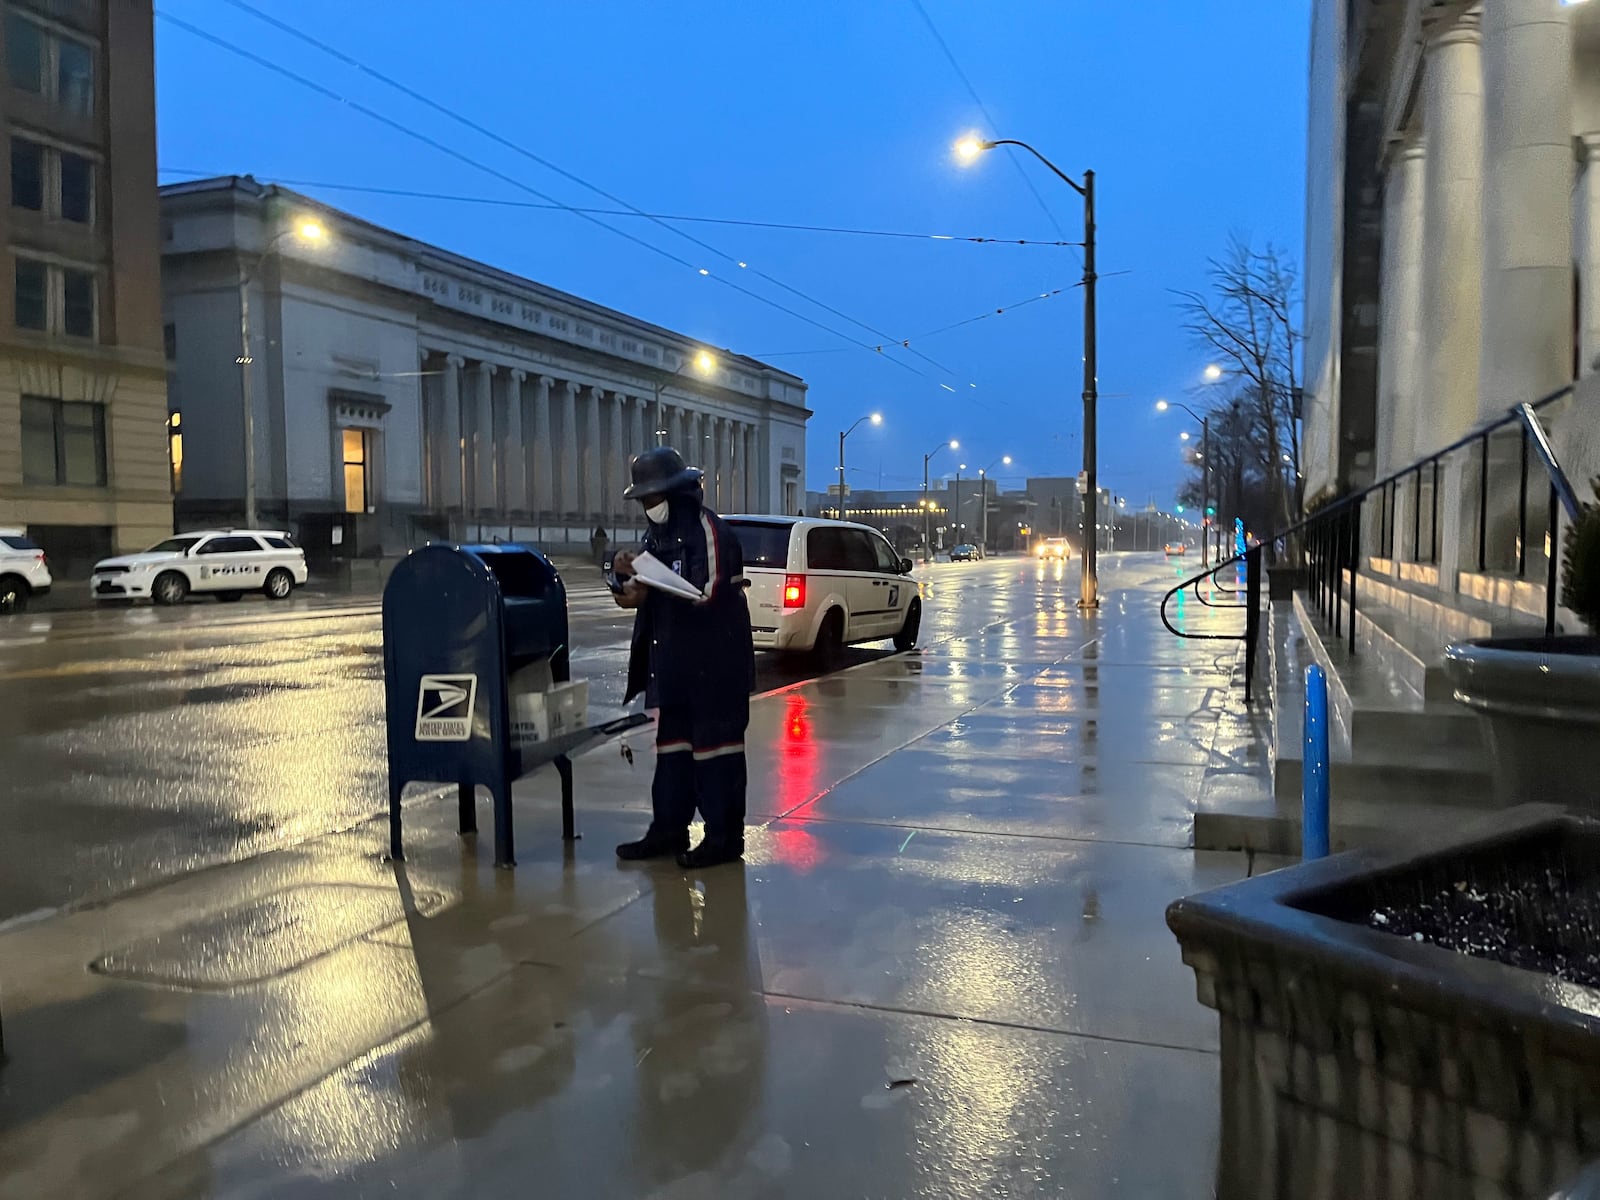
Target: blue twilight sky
<point>829,112</point>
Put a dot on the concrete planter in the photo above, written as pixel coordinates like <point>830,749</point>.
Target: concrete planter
<point>1357,1061</point>
<point>1540,701</point>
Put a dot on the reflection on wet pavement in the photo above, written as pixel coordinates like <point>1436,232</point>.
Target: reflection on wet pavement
<point>942,971</point>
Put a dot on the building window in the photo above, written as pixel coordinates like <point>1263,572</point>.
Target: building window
<point>27,174</point>
<point>56,182</point>
<point>357,480</point>
<point>63,443</point>
<point>175,448</point>
<point>33,294</point>
<point>25,54</point>
<point>55,298</point>
<point>50,64</point>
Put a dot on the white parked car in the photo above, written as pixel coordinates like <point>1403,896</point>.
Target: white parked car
<point>24,570</point>
<point>818,586</point>
<point>225,563</point>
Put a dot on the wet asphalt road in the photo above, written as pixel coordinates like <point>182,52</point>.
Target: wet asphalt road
<point>137,744</point>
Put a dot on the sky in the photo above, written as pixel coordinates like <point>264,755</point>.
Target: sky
<point>839,113</point>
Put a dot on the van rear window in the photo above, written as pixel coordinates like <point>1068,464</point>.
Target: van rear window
<point>17,543</point>
<point>764,545</point>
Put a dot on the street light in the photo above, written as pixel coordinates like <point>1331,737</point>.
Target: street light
<point>968,150</point>
<point>983,488</point>
<point>1213,373</point>
<point>312,232</point>
<point>927,501</point>
<point>704,362</point>
<point>1205,463</point>
<point>876,419</point>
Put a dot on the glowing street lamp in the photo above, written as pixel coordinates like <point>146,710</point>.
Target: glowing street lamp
<point>311,232</point>
<point>968,150</point>
<point>876,419</point>
<point>1204,459</point>
<point>704,363</point>
<point>927,512</point>
<point>1213,373</point>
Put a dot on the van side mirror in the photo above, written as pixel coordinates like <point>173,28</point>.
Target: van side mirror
<point>907,566</point>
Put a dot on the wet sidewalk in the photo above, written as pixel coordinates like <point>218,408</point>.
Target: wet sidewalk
<point>943,970</point>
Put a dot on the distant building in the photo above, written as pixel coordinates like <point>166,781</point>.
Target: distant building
<point>83,409</point>
<point>402,392</point>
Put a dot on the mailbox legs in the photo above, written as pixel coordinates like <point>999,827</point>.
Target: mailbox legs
<point>467,807</point>
<point>505,850</point>
<point>396,850</point>
<point>564,769</point>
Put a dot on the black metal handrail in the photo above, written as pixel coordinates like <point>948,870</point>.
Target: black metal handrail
<point>1332,535</point>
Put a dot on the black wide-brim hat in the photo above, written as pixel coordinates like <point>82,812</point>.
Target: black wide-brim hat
<point>661,471</point>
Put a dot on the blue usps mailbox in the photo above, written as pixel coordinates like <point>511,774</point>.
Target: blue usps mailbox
<point>458,621</point>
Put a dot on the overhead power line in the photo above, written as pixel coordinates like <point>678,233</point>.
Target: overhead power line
<point>983,316</point>
<point>502,202</point>
<point>517,148</point>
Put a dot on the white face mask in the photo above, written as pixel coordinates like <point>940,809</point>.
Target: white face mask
<point>657,512</point>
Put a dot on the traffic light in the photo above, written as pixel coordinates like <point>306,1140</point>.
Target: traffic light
<point>1211,510</point>
<point>1180,508</point>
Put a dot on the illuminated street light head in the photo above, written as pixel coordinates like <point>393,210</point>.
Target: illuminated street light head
<point>877,418</point>
<point>310,230</point>
<point>969,147</point>
<point>1213,373</point>
<point>1006,460</point>
<point>1161,406</point>
<point>1184,436</point>
<point>954,445</point>
<point>705,362</point>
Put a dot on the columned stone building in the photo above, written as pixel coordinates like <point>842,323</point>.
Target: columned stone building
<point>402,392</point>
<point>1452,242</point>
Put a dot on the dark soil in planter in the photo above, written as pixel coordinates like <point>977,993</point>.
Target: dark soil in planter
<point>1532,902</point>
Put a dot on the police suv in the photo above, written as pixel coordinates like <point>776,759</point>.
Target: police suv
<point>225,563</point>
<point>818,586</point>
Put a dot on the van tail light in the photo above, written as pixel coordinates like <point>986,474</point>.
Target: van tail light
<point>794,591</point>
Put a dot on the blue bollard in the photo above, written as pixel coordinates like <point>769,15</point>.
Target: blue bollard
<point>1314,768</point>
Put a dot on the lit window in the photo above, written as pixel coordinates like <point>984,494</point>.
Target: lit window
<point>175,450</point>
<point>356,495</point>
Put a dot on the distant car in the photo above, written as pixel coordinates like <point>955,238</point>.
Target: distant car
<point>24,570</point>
<point>963,553</point>
<point>818,586</point>
<point>1056,547</point>
<point>1174,548</point>
<point>225,563</point>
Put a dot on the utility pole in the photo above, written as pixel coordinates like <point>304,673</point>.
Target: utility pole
<point>841,474</point>
<point>1089,589</point>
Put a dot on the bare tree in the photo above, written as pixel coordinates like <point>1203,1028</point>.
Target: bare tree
<point>1246,322</point>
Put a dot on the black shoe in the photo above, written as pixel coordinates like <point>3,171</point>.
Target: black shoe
<point>652,845</point>
<point>711,854</point>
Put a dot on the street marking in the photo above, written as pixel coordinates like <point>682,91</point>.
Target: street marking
<point>445,705</point>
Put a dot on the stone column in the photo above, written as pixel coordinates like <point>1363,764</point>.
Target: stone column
<point>752,472</point>
<point>617,454</point>
<point>515,448</point>
<point>544,458</point>
<point>568,498</point>
<point>725,463</point>
<point>1400,357</point>
<point>482,446</point>
<point>1452,265</point>
<point>590,450</point>
<point>1587,239</point>
<point>453,447</point>
<point>1528,176</point>
<point>643,435</point>
<point>1452,276</point>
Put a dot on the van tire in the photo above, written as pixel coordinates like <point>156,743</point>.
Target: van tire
<point>828,651</point>
<point>279,585</point>
<point>906,639</point>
